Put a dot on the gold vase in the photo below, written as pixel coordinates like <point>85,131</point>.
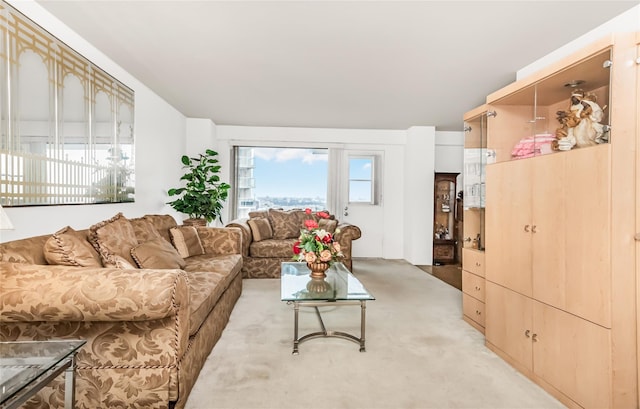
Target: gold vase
<point>318,269</point>
<point>317,286</point>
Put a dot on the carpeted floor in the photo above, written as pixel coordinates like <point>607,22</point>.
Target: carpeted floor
<point>449,273</point>
<point>420,353</point>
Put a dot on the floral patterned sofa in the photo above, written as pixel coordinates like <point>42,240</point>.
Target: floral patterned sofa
<point>268,237</point>
<point>151,312</point>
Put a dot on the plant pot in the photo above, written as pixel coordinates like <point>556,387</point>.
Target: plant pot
<point>194,222</point>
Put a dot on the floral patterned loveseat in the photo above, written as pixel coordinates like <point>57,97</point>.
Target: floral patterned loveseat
<point>150,312</point>
<point>268,237</point>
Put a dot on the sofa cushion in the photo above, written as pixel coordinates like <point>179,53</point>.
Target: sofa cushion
<point>209,276</point>
<point>114,239</point>
<point>259,214</point>
<point>144,229</point>
<point>272,248</point>
<point>328,225</point>
<point>186,240</point>
<point>162,223</point>
<point>286,224</point>
<point>157,253</point>
<point>68,247</point>
<point>29,250</point>
<point>260,229</point>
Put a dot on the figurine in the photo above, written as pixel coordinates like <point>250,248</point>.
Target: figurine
<point>580,124</point>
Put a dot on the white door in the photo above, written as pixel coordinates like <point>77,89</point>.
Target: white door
<point>359,197</point>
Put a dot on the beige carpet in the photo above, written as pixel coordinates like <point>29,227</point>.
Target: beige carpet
<point>420,354</point>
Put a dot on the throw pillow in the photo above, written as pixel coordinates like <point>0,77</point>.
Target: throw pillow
<point>285,224</point>
<point>162,223</point>
<point>186,240</point>
<point>260,229</point>
<point>157,253</point>
<point>258,213</point>
<point>68,247</point>
<point>114,239</point>
<point>328,225</point>
<point>144,229</point>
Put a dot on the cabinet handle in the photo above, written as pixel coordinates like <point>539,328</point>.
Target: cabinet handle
<point>526,228</point>
<point>491,114</point>
<point>477,288</point>
<point>534,337</point>
<point>478,264</point>
<point>526,333</point>
<point>533,228</point>
<point>478,312</point>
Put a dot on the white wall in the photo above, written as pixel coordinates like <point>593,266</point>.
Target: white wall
<point>390,142</point>
<point>628,21</point>
<point>418,165</point>
<point>159,143</point>
<point>200,136</point>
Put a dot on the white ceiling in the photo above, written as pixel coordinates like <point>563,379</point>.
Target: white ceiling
<point>329,64</point>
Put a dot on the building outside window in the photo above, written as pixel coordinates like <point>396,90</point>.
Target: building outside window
<point>283,178</point>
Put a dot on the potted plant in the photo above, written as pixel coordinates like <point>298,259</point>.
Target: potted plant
<point>203,196</point>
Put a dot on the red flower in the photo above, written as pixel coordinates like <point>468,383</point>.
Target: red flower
<point>311,224</point>
<point>327,238</point>
<point>322,215</point>
<point>296,248</point>
<point>307,210</point>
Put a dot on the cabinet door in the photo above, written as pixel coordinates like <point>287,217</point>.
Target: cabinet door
<point>508,220</point>
<point>548,230</point>
<point>588,224</point>
<point>573,355</point>
<point>508,320</point>
<point>571,221</point>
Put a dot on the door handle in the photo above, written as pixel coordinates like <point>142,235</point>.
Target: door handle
<point>345,212</point>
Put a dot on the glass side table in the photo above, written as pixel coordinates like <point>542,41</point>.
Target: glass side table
<point>28,366</point>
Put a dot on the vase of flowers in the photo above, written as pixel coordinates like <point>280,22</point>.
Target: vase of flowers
<point>316,246</point>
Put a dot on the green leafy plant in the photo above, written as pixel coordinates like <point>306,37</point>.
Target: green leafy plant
<point>204,194</point>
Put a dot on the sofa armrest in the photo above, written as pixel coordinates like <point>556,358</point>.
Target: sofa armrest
<point>247,236</point>
<point>346,234</point>
<point>220,241</point>
<point>33,292</point>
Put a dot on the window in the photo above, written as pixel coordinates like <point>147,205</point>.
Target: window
<point>362,183</point>
<point>66,126</point>
<point>285,178</point>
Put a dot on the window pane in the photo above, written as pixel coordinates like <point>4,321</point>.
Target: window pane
<point>284,178</point>
<point>361,179</point>
<point>360,191</point>
<point>360,168</point>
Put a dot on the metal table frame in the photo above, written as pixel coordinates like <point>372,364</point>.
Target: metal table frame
<point>66,365</point>
<point>325,333</point>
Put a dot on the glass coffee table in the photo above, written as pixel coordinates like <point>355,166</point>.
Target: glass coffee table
<point>340,287</point>
<point>28,366</point>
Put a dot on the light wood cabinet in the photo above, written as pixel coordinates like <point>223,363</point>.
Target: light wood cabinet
<point>565,352</point>
<point>561,292</point>
<point>546,215</point>
<point>473,256</point>
<point>473,288</point>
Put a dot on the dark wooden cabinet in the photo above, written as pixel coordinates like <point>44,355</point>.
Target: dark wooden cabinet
<point>445,227</point>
